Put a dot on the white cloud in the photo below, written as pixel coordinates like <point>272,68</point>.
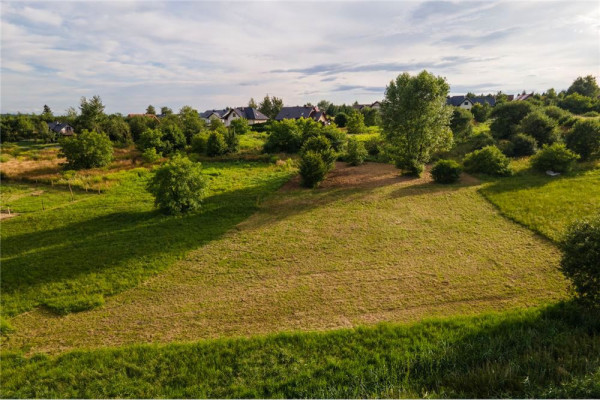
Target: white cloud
<point>210,54</point>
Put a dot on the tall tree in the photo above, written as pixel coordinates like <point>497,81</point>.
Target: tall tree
<point>191,123</point>
<point>47,114</point>
<point>252,103</point>
<point>416,119</point>
<point>270,106</point>
<point>166,111</point>
<point>92,114</point>
<point>585,86</point>
<point>324,105</point>
<point>150,110</point>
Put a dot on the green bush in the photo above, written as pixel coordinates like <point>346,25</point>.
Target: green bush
<point>356,123</point>
<point>178,186</point>
<point>461,124</point>
<point>312,169</point>
<point>216,144</point>
<point>523,145</point>
<point>584,139</point>
<point>150,138</point>
<point>506,147</point>
<point>577,104</point>
<point>322,146</point>
<point>581,259</point>
<point>69,304</point>
<point>356,152</point>
<point>555,157</point>
<point>199,142</point>
<point>240,126</point>
<point>373,146</point>
<point>557,113</point>
<point>480,112</point>
<point>592,114</point>
<point>446,171</point>
<point>283,136</point>
<point>507,118</point>
<point>341,120</point>
<point>233,141</point>
<point>150,155</point>
<point>87,150</point>
<point>410,166</point>
<point>539,126</point>
<point>336,137</point>
<point>488,160</point>
<point>173,138</point>
<point>480,141</point>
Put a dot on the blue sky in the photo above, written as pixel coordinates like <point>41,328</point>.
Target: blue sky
<point>217,54</point>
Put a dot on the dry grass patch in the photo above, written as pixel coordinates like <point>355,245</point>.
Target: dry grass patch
<point>393,249</point>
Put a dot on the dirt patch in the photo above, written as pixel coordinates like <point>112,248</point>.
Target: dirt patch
<point>4,215</point>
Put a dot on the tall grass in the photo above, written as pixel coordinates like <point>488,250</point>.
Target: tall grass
<point>549,352</point>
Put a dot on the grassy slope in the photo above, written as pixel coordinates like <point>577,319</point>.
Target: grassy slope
<point>551,352</point>
<point>383,250</point>
<point>543,203</point>
<point>73,253</point>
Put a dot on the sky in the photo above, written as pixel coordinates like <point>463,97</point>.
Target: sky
<point>218,54</point>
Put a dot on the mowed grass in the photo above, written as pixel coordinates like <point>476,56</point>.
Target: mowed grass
<point>367,247</point>
<point>547,204</point>
<point>551,352</point>
<point>67,255</point>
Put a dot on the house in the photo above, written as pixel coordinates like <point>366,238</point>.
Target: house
<point>459,101</point>
<point>302,112</point>
<point>252,115</point>
<point>63,129</point>
<point>483,100</point>
<point>524,96</point>
<point>209,115</point>
<point>376,106</point>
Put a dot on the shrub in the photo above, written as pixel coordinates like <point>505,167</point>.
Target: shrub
<point>581,259</point>
<point>577,103</point>
<point>506,147</point>
<point>150,155</point>
<point>336,137</point>
<point>173,138</point>
<point>489,160</point>
<point>446,171</point>
<point>240,126</point>
<point>283,136</point>
<point>87,150</point>
<point>178,186</point>
<point>461,124</point>
<point>523,145</point>
<point>556,113</point>
<point>199,143</point>
<point>216,144</point>
<point>592,114</point>
<point>480,112</point>
<point>410,166</point>
<point>479,141</point>
<point>312,169</point>
<point>322,146</point>
<point>584,139</point>
<point>373,146</point>
<point>233,141</point>
<point>341,120</point>
<point>555,157</point>
<point>539,126</point>
<point>356,123</point>
<point>150,138</point>
<point>507,118</point>
<point>356,152</point>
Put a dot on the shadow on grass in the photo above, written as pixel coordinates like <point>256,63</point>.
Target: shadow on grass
<point>110,253</point>
<point>551,352</point>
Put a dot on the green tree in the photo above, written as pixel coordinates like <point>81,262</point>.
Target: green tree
<point>341,120</point>
<point>283,136</point>
<point>191,123</point>
<point>252,103</point>
<point>91,114</point>
<point>138,124</point>
<point>47,114</point>
<point>89,149</point>
<point>178,186</point>
<point>151,139</point>
<point>507,118</point>
<point>371,116</point>
<point>172,137</point>
<point>356,123</point>
<point>312,169</point>
<point>324,105</point>
<point>585,86</point>
<point>322,146</point>
<point>166,111</point>
<point>117,129</point>
<point>481,112</point>
<point>578,103</point>
<point>151,110</point>
<point>44,133</point>
<point>584,139</point>
<point>461,124</point>
<point>416,119</point>
<point>24,127</point>
<point>239,126</point>
<point>539,126</point>
<point>356,152</point>
<point>216,144</point>
<point>270,106</point>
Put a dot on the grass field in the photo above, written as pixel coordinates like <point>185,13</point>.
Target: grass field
<point>367,247</point>
<point>551,352</point>
<point>67,255</point>
<point>547,204</point>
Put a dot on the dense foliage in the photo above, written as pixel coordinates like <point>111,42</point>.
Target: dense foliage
<point>89,149</point>
<point>416,120</point>
<point>446,171</point>
<point>357,153</point>
<point>523,145</point>
<point>539,126</point>
<point>461,124</point>
<point>581,259</point>
<point>481,112</point>
<point>507,117</point>
<point>178,186</point>
<point>555,157</point>
<point>341,120</point>
<point>584,139</point>
<point>216,144</point>
<point>488,160</point>
<point>312,169</point>
<point>356,123</point>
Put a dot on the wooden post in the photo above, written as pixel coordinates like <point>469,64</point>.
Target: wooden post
<point>43,209</point>
<point>71,190</point>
